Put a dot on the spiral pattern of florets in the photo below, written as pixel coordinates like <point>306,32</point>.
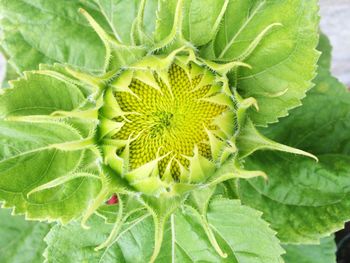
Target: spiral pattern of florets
<point>167,124</point>
<point>168,121</point>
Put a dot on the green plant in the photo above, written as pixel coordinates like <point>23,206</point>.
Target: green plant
<point>174,110</point>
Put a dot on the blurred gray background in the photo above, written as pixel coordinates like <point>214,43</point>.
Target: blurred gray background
<point>335,23</point>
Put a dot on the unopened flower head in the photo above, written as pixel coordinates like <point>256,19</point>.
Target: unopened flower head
<point>167,126</point>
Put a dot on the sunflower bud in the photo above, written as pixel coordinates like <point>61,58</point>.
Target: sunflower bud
<point>167,125</point>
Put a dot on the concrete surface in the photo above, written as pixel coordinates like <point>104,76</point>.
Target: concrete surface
<point>335,23</point>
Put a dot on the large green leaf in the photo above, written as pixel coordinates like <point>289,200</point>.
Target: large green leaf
<point>278,39</point>
<point>21,241</point>
<point>322,253</point>
<point>304,200</point>
<point>47,31</point>
<point>239,229</point>
<point>48,167</point>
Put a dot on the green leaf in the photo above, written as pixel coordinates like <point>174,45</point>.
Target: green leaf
<point>322,253</point>
<point>47,31</point>
<point>49,169</point>
<point>21,241</point>
<point>303,200</point>
<point>278,39</point>
<point>185,239</point>
<point>65,241</point>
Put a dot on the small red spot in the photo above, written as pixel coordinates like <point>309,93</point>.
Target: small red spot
<point>113,200</point>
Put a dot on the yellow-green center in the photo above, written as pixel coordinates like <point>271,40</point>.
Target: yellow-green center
<point>169,120</point>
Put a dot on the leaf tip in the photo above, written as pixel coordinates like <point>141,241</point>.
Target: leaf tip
<point>82,11</point>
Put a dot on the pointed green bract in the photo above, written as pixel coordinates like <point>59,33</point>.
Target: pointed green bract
<point>169,20</point>
<point>119,20</point>
<point>198,19</point>
<point>250,140</point>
